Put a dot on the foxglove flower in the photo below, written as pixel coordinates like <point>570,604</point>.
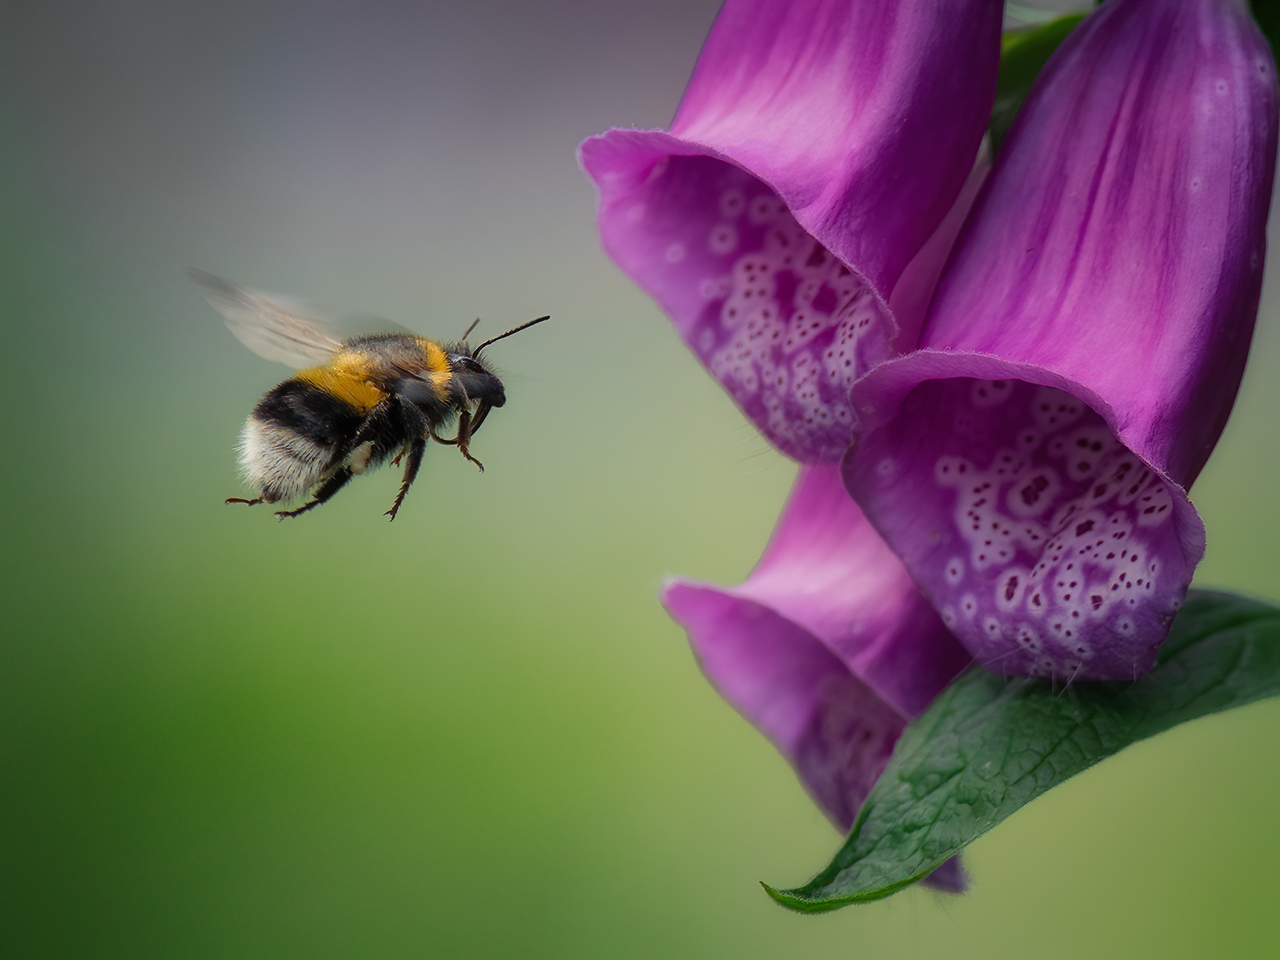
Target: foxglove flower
<point>1030,462</point>
<point>792,224</point>
<point>827,648</point>
<point>818,148</point>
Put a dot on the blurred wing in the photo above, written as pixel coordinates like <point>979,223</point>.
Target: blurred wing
<point>276,328</point>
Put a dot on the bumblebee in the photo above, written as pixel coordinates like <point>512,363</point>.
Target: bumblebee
<point>354,404</point>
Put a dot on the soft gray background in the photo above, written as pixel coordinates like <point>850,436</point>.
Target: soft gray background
<point>472,732</point>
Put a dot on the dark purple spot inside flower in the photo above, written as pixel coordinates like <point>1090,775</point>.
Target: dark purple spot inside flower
<point>1033,488</point>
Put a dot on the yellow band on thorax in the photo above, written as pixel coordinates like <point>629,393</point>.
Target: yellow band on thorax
<point>346,378</point>
<point>437,371</point>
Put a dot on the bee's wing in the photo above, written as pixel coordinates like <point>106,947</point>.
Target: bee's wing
<point>274,327</point>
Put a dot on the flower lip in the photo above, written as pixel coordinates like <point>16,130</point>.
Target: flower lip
<point>829,724</point>
<point>827,606</point>
<point>832,728</point>
<point>827,648</point>
<point>1048,546</point>
<point>784,325</point>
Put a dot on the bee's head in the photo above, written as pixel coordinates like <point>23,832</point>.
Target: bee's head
<point>472,378</point>
<point>473,375</point>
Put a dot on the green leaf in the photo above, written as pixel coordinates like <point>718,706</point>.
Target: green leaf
<point>1022,55</point>
<point>988,745</point>
<point>1267,13</point>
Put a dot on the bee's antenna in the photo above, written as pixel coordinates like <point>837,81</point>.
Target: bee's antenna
<point>502,336</point>
<point>475,324</point>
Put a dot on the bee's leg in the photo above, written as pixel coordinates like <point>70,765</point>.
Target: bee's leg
<point>252,503</point>
<point>467,426</point>
<point>412,462</point>
<point>417,426</point>
<point>336,482</point>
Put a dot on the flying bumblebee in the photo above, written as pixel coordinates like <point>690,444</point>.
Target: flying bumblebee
<point>354,404</point>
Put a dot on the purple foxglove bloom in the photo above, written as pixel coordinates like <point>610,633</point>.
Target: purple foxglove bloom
<point>819,146</point>
<point>792,224</point>
<point>1030,462</point>
<point>827,648</point>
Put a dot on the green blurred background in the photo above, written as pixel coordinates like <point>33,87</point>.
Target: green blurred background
<point>473,732</point>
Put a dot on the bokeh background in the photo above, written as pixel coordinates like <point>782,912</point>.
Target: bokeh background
<point>473,732</point>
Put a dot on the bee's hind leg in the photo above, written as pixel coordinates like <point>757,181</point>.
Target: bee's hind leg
<point>251,503</point>
<point>326,490</point>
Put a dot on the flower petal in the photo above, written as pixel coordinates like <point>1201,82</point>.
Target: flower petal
<point>832,727</point>
<point>864,117</point>
<point>1122,239</point>
<point>828,628</point>
<point>817,149</point>
<point>827,570</point>
<point>1049,548</point>
<point>1084,348</point>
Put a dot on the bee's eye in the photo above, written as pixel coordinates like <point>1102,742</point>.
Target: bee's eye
<point>472,365</point>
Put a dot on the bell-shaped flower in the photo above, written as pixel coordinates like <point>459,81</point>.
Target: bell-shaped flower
<point>818,148</point>
<point>792,224</point>
<point>1030,462</point>
<point>827,648</point>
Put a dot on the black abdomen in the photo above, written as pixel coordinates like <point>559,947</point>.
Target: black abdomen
<point>309,411</point>
<point>297,435</point>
